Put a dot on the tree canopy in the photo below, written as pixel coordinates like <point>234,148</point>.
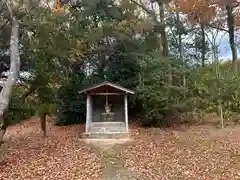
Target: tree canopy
<point>166,51</point>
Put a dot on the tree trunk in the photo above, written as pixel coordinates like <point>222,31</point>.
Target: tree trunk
<point>2,132</point>
<point>164,40</point>
<point>6,92</point>
<point>43,120</point>
<point>179,36</point>
<point>181,48</point>
<point>221,114</point>
<point>169,82</point>
<point>164,48</point>
<point>230,23</point>
<point>203,44</point>
<point>214,51</point>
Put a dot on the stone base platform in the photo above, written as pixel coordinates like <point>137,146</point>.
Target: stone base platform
<point>107,127</point>
<point>100,135</point>
<point>106,130</point>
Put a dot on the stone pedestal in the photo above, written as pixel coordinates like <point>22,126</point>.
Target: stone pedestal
<point>107,117</point>
<point>100,130</point>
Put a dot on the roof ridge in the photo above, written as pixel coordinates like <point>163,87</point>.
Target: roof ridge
<point>107,83</point>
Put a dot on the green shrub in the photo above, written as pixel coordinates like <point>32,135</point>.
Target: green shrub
<point>19,110</point>
<point>70,104</point>
<point>153,103</point>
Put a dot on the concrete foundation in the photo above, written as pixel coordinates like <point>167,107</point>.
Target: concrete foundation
<point>106,130</point>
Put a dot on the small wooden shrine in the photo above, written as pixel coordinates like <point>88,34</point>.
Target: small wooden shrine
<point>107,108</point>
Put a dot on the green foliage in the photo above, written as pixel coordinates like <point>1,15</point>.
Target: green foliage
<point>105,40</point>
<point>46,109</point>
<point>123,68</point>
<point>71,104</point>
<point>152,103</point>
<point>19,110</point>
<point>155,96</point>
<point>205,84</point>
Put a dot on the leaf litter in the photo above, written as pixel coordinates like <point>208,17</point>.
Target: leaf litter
<point>200,152</point>
<point>60,156</point>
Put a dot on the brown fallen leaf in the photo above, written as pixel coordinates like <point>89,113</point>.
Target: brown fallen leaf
<point>60,156</point>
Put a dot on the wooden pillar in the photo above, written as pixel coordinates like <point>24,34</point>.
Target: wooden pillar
<point>87,113</point>
<point>126,111</point>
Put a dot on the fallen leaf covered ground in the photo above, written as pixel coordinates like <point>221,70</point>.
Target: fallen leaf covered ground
<point>60,156</point>
<point>200,152</point>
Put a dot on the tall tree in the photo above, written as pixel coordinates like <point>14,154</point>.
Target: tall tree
<point>11,11</point>
<point>203,43</point>
<point>230,23</point>
<point>207,12</point>
<point>164,40</point>
<point>158,20</point>
<point>5,94</point>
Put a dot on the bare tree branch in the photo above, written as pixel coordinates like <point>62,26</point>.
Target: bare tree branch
<point>148,11</point>
<point>32,7</point>
<point>9,8</point>
<point>4,24</point>
<point>216,27</point>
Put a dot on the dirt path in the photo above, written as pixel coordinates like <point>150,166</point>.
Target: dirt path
<point>112,162</point>
<point>113,165</point>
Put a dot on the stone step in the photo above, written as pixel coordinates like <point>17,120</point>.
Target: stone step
<point>107,124</point>
<point>99,135</point>
<point>105,127</point>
